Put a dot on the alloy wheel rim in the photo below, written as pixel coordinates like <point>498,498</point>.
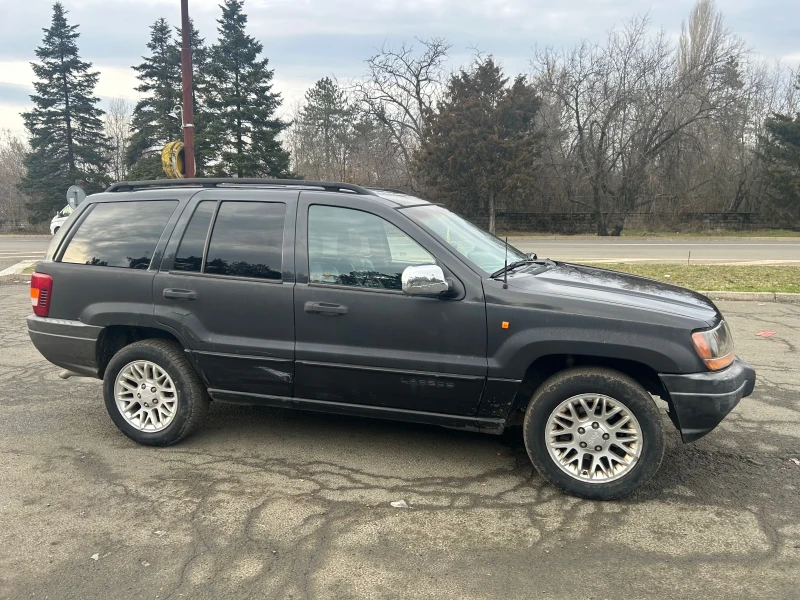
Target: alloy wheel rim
<point>594,438</point>
<point>146,396</point>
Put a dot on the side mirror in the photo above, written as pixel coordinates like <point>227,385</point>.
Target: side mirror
<point>424,280</point>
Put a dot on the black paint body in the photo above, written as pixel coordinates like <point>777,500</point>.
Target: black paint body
<point>379,352</point>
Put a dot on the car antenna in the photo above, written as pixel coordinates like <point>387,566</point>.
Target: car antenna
<point>505,268</point>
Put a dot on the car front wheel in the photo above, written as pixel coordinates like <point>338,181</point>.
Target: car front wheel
<point>595,433</point>
<point>153,394</point>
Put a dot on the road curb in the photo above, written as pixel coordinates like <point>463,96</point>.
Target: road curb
<point>755,296</point>
<point>18,268</point>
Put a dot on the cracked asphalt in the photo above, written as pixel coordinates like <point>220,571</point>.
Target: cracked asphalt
<point>270,503</point>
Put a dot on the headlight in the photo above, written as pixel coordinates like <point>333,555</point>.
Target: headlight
<point>715,346</point>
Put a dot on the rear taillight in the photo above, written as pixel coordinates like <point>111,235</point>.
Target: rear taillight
<point>41,291</point>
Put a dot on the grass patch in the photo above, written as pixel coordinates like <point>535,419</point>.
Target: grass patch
<point>718,278</point>
<point>28,270</point>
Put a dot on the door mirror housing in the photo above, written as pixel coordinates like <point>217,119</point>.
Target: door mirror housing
<point>424,280</point>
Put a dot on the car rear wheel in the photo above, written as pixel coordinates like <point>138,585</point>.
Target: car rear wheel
<point>594,433</point>
<point>153,394</point>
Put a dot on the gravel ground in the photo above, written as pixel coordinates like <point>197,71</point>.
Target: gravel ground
<point>268,503</point>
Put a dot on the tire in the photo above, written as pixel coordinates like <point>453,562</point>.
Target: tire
<point>55,231</point>
<point>631,463</point>
<point>190,403</point>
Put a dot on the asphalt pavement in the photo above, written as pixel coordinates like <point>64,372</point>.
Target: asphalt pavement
<point>763,251</point>
<point>16,248</point>
<point>271,503</point>
<point>760,251</point>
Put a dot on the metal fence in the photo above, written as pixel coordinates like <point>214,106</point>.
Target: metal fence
<point>585,222</point>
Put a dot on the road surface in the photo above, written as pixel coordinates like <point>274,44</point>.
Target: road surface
<point>273,503</point>
<point>581,249</point>
<point>720,251</point>
<point>14,248</point>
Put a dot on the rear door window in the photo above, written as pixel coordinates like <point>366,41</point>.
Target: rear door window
<point>247,240</point>
<point>120,234</point>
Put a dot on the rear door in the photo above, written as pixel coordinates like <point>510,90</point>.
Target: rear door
<point>226,286</point>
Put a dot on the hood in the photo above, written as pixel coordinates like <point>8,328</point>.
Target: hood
<point>603,285</point>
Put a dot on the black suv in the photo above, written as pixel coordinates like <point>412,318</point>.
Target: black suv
<point>337,298</point>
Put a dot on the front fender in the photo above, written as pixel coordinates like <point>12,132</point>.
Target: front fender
<point>510,357</point>
<point>523,326</point>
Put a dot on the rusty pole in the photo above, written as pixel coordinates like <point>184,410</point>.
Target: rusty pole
<point>186,83</point>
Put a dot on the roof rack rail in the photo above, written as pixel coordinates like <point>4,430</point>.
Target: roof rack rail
<point>214,182</point>
<point>392,190</point>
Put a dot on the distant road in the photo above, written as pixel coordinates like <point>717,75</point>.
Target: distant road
<point>729,251</point>
<point>15,248</point>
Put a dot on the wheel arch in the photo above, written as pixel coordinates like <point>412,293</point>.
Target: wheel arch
<point>548,365</point>
<point>114,338</point>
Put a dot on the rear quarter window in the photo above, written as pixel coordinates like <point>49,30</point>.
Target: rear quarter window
<point>120,234</point>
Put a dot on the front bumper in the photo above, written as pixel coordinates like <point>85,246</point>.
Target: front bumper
<point>68,344</point>
<point>699,401</point>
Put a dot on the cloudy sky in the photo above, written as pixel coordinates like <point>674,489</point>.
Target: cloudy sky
<point>309,39</point>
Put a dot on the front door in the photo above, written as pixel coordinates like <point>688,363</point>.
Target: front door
<point>359,338</point>
<point>226,287</point>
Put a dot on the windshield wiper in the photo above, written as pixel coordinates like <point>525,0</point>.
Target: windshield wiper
<point>510,267</point>
<point>532,259</point>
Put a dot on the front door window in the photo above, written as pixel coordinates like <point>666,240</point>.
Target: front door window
<point>354,248</point>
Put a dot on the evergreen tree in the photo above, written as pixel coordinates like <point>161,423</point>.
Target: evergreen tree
<point>65,126</point>
<point>154,122</point>
<point>242,131</point>
<point>322,132</point>
<point>479,145</point>
<point>781,154</point>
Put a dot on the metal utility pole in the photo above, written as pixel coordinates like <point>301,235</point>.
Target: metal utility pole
<point>186,83</point>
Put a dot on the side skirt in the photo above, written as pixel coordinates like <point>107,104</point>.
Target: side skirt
<point>482,424</point>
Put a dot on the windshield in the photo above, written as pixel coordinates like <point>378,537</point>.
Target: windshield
<point>480,247</point>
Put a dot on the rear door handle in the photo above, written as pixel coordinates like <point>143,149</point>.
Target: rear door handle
<point>325,308</point>
<point>180,294</point>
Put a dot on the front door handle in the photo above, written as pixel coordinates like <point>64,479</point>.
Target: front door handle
<point>176,294</point>
<point>325,308</point>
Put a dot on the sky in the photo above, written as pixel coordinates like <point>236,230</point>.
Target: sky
<point>306,40</point>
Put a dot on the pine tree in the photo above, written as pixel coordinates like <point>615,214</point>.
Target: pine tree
<point>780,151</point>
<point>322,132</point>
<point>65,126</point>
<point>242,128</point>
<point>479,145</point>
<point>154,122</point>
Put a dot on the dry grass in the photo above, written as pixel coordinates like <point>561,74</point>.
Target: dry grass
<point>718,278</point>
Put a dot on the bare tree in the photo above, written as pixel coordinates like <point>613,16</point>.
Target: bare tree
<point>117,128</point>
<point>12,169</point>
<point>626,102</point>
<point>401,86</point>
